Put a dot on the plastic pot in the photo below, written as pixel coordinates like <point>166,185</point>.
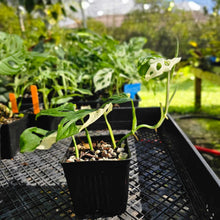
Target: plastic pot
<point>45,122</point>
<point>10,137</point>
<point>98,188</point>
<point>26,103</point>
<point>97,103</point>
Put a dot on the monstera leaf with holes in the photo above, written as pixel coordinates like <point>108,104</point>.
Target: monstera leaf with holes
<point>152,67</point>
<point>102,79</point>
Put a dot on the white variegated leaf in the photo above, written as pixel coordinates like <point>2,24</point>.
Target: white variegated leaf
<point>93,116</point>
<point>159,66</point>
<point>102,79</point>
<point>47,141</point>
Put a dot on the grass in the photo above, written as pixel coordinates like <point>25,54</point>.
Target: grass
<point>183,101</point>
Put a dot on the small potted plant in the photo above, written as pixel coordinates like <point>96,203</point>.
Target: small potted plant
<point>11,127</point>
<point>91,167</point>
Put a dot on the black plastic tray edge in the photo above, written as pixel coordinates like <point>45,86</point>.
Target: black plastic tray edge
<point>195,151</point>
<point>204,178</point>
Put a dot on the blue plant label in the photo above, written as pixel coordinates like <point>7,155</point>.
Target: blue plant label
<point>132,89</point>
<point>212,59</point>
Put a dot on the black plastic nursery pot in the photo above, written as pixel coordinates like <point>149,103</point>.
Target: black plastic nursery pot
<point>98,188</point>
<point>10,133</point>
<point>10,137</point>
<point>27,104</point>
<point>96,103</point>
<point>45,122</point>
<point>93,103</point>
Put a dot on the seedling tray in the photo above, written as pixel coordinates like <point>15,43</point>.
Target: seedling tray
<point>168,179</point>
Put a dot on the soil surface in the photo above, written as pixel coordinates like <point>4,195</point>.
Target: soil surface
<point>101,151</point>
<point>4,120</point>
<point>203,131</point>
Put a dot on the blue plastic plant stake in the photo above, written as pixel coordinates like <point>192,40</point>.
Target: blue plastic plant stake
<point>132,89</point>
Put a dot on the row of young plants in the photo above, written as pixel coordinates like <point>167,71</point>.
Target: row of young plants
<point>21,68</point>
<point>86,65</point>
<point>149,67</point>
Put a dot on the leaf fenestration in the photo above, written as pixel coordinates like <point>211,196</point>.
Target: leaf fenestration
<point>102,79</point>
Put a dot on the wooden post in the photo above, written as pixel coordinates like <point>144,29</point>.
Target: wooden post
<point>200,75</point>
<point>198,86</point>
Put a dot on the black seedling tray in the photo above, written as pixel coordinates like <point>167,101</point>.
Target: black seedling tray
<point>168,178</point>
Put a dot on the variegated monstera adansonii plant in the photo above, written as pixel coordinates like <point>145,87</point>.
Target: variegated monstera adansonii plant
<point>36,138</point>
<point>152,67</point>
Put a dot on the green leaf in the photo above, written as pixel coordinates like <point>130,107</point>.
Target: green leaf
<point>61,100</point>
<point>137,43</point>
<point>67,126</point>
<point>73,8</point>
<point>84,91</point>
<point>102,79</point>
<point>12,64</point>
<point>118,99</point>
<point>13,54</point>
<point>60,111</point>
<point>31,138</point>
<point>144,64</point>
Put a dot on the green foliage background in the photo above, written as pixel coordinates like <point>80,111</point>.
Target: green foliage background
<point>161,25</point>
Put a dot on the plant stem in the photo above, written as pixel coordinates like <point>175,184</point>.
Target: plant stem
<point>163,115</point>
<point>45,96</point>
<point>110,131</point>
<point>124,138</point>
<point>45,101</point>
<point>134,118</point>
<point>89,139</point>
<point>76,148</point>
<point>167,94</point>
<point>117,86</point>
